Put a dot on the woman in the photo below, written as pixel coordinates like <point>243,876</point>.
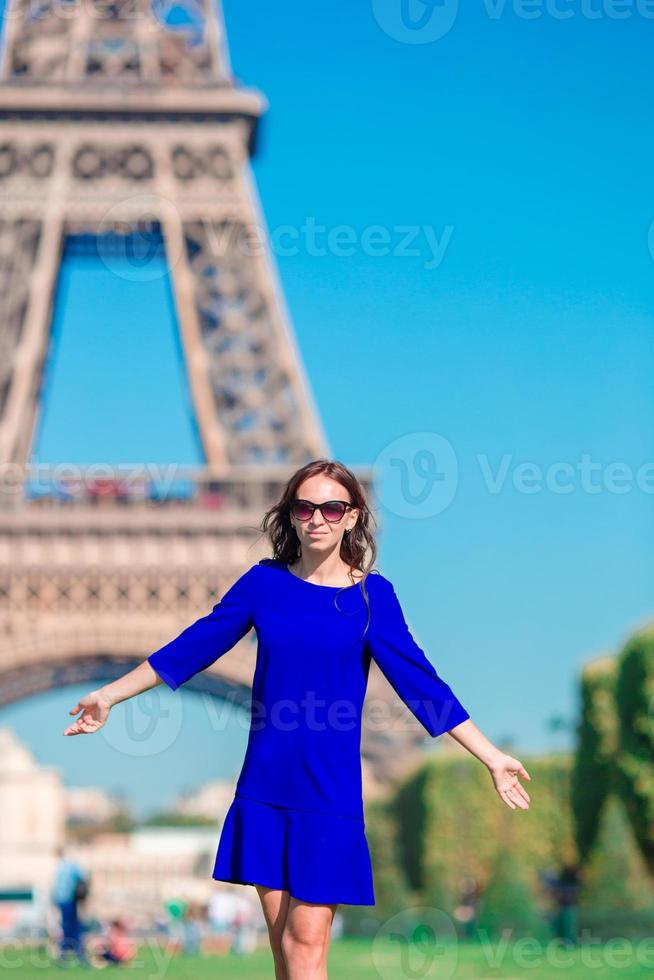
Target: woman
<point>295,829</point>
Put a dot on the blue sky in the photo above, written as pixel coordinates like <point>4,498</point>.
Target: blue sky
<point>525,147</point>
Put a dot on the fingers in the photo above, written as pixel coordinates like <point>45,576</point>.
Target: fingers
<point>77,728</point>
<point>513,794</point>
<point>73,711</point>
<point>512,791</point>
<point>83,726</point>
<point>505,796</point>
<point>517,786</point>
<point>519,801</point>
<point>523,792</point>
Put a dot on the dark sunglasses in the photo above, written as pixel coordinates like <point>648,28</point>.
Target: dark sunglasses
<point>331,510</point>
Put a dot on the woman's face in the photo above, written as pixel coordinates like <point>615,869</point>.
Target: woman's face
<point>317,534</point>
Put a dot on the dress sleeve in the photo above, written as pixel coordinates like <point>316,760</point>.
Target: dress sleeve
<point>407,669</point>
<point>208,638</point>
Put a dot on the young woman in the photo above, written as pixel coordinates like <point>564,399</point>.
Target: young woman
<point>295,828</point>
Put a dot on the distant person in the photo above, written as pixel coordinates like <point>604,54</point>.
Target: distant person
<point>244,933</point>
<point>566,893</point>
<point>192,929</point>
<point>220,911</point>
<point>118,948</point>
<point>176,910</point>
<point>70,887</point>
<point>467,909</point>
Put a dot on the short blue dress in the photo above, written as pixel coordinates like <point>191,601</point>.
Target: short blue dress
<point>297,819</point>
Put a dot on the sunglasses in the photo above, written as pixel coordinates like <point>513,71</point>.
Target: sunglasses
<point>331,510</point>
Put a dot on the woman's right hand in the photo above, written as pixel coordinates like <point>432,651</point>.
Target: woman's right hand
<point>95,708</point>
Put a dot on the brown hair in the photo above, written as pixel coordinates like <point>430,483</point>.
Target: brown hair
<point>358,548</point>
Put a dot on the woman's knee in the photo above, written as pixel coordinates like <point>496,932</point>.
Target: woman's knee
<point>305,943</point>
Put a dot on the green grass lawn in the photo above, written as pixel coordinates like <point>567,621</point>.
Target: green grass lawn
<point>359,959</point>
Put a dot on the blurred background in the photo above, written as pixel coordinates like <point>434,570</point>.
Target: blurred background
<point>405,234</point>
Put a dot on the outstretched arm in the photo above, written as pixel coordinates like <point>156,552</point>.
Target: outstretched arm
<point>503,768</point>
<point>196,647</point>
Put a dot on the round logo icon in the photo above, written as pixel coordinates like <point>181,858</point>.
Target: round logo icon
<point>417,942</point>
<point>131,238</point>
<point>146,725</point>
<point>416,21</point>
<point>416,475</point>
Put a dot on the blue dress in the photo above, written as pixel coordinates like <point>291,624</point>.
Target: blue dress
<point>297,820</point>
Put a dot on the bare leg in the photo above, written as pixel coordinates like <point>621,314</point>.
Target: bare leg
<point>306,938</point>
<point>275,906</point>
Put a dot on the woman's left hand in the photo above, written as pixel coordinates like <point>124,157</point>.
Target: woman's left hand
<point>504,772</point>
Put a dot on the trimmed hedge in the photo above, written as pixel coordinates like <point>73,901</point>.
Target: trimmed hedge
<point>597,744</point>
<point>634,763</point>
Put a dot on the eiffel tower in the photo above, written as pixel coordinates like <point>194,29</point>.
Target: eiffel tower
<point>119,126</point>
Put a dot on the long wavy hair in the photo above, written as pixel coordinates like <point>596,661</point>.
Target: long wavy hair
<point>358,549</point>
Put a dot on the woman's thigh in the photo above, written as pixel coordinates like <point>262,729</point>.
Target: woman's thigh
<point>274,902</point>
<point>304,919</point>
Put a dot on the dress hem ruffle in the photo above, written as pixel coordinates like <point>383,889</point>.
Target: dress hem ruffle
<point>317,858</point>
